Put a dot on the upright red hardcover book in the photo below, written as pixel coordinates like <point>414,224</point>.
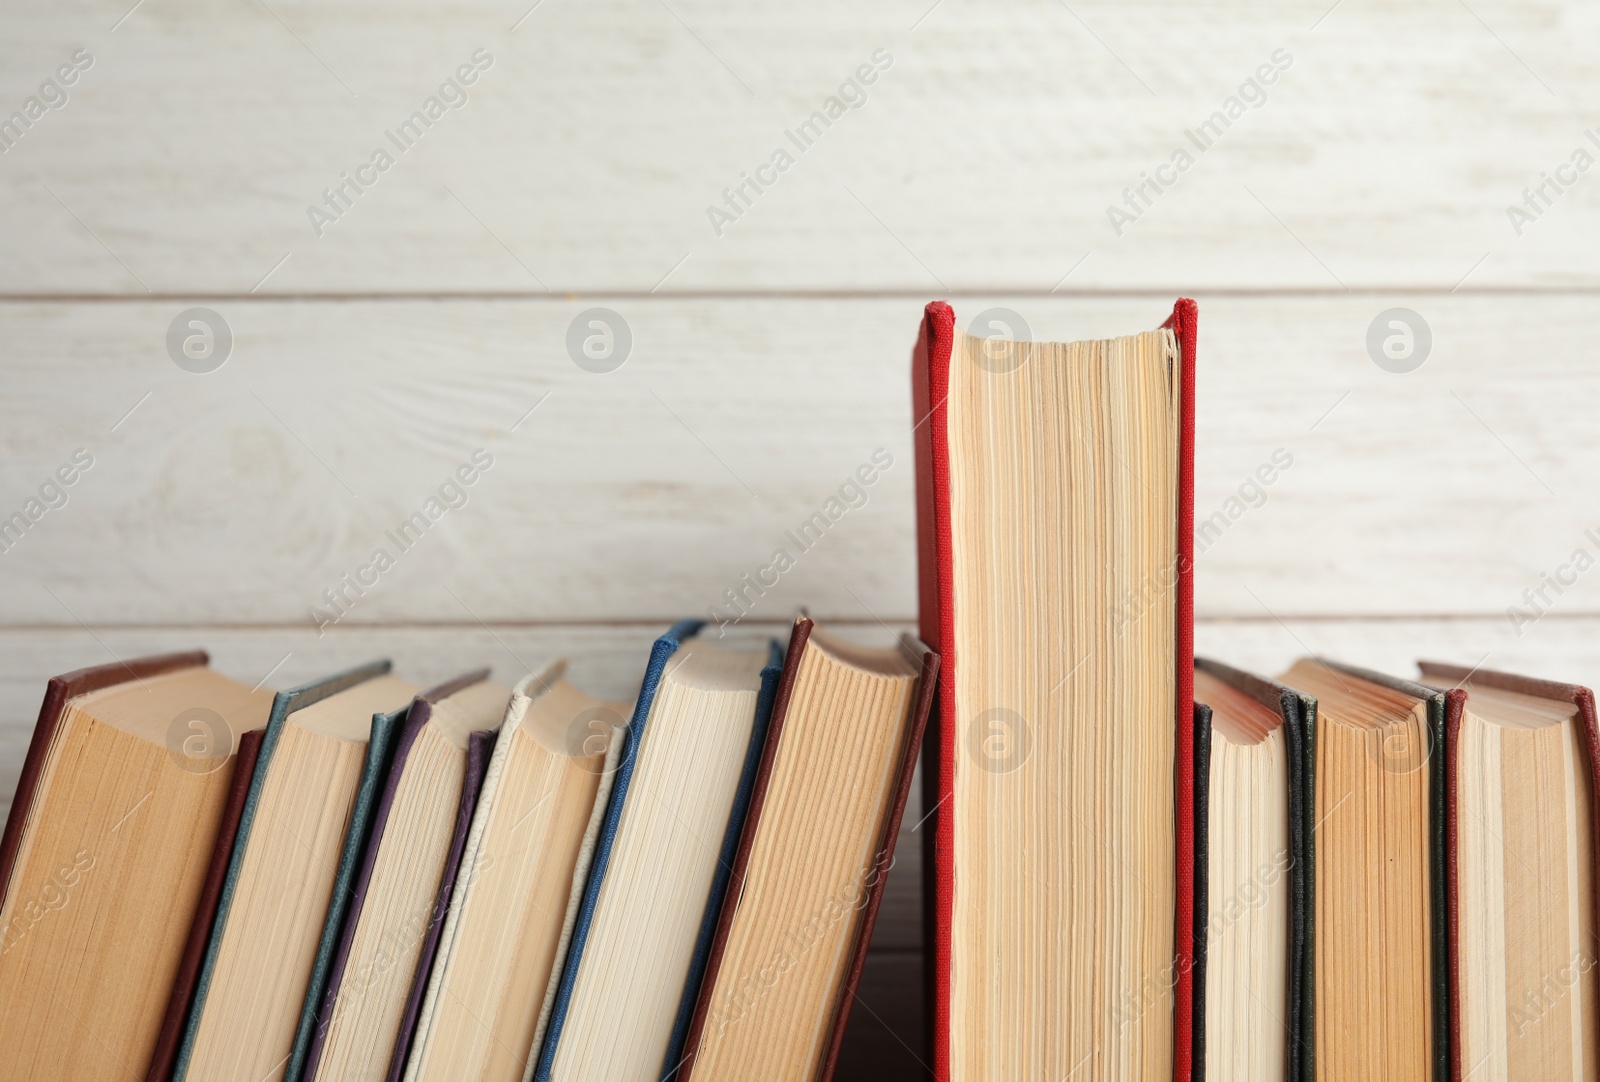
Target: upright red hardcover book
<point>930,393</point>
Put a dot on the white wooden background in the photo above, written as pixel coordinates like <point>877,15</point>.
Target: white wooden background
<point>770,361</point>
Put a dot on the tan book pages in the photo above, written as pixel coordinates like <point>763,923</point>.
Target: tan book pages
<point>481,1018</point>
<point>1529,961</point>
<point>651,905</point>
<point>263,966</point>
<point>108,874</point>
<point>391,929</point>
<point>1247,923</point>
<point>1373,951</point>
<point>812,865</point>
<point>1064,476</point>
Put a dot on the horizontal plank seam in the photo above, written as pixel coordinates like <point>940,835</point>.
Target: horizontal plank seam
<point>837,621</point>
<point>1109,293</point>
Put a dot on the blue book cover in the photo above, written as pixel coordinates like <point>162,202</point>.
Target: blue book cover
<point>660,655</point>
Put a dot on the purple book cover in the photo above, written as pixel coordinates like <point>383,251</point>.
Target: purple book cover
<point>478,751</point>
<point>479,746</point>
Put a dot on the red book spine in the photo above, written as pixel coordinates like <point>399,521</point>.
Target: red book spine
<point>930,381</point>
<point>1185,315</point>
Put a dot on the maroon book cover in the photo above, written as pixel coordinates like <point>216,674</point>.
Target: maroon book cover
<point>478,748</point>
<point>1455,701</point>
<point>194,951</point>
<point>928,680</point>
<point>57,692</point>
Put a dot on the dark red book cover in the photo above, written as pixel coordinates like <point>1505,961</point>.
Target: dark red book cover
<point>930,382</point>
<point>194,951</point>
<point>1438,674</point>
<point>920,710</point>
<point>57,692</point>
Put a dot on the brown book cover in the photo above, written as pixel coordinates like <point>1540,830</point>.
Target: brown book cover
<point>928,682</point>
<point>1455,699</point>
<point>194,951</point>
<point>57,692</point>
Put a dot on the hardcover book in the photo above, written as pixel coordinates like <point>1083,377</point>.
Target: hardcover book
<point>294,858</point>
<point>194,949</point>
<point>400,893</point>
<point>1376,856</point>
<point>1055,551</point>
<point>103,864</point>
<point>1520,837</point>
<point>815,854</point>
<point>1252,890</point>
<point>655,889</point>
<point>514,899</point>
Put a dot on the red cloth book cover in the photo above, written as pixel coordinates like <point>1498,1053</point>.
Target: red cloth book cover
<point>930,382</point>
<point>1438,674</point>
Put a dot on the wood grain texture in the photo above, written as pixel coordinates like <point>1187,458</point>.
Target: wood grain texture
<point>770,355</point>
<point>239,497</point>
<point>985,156</point>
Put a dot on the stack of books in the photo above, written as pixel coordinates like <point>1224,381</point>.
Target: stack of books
<point>1143,865</point>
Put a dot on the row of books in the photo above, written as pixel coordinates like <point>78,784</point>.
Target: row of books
<point>1394,878</point>
<point>467,881</point>
<point>1148,867</point>
<point>1141,866</point>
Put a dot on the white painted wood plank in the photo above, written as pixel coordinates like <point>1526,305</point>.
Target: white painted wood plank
<point>241,496</point>
<point>985,156</point>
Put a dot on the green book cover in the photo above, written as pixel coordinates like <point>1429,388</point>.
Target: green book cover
<point>286,703</point>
